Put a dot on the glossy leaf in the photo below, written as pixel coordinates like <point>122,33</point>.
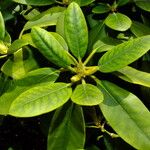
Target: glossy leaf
<point>27,37</point>
<point>17,66</point>
<point>106,44</point>
<point>67,128</point>
<point>87,94</point>
<point>38,76</point>
<point>2,27</point>
<point>75,30</point>
<point>122,2</point>
<point>46,20</point>
<point>102,46</point>
<point>118,21</point>
<point>60,25</point>
<point>124,111</point>
<point>30,15</point>
<point>16,87</point>
<point>49,46</point>
<point>87,2</point>
<point>50,11</point>
<point>144,4</point>
<point>124,54</point>
<point>7,38</point>
<point>96,33</point>
<point>139,29</point>
<point>16,45</point>
<point>82,2</point>
<point>40,99</point>
<point>35,2</point>
<point>4,84</point>
<point>60,40</point>
<point>101,8</point>
<point>135,76</point>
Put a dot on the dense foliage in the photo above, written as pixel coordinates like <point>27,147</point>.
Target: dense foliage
<point>83,66</point>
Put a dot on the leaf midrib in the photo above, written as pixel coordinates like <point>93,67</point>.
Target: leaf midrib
<point>53,52</point>
<point>121,52</point>
<point>118,21</point>
<point>32,100</point>
<point>125,110</point>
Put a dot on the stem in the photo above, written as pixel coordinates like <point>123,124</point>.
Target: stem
<point>59,2</point>
<point>90,56</point>
<point>95,79</point>
<point>75,61</point>
<point>113,135</point>
<point>20,35</point>
<point>83,81</point>
<point>101,127</point>
<point>72,69</point>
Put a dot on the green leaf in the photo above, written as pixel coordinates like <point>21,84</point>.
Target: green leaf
<point>27,37</point>
<point>2,27</point>
<point>122,2</point>
<point>38,76</point>
<point>96,33</point>
<point>124,111</point>
<point>102,46</point>
<point>4,84</point>
<point>139,29</point>
<point>105,44</point>
<point>49,46</point>
<point>29,13</point>
<point>67,129</point>
<point>91,21</point>
<point>118,21</point>
<point>46,20</point>
<point>40,99</point>
<point>31,79</point>
<point>7,38</point>
<point>35,2</point>
<point>60,25</point>
<point>108,143</point>
<point>19,64</point>
<point>82,2</point>
<point>101,8</point>
<point>135,76</point>
<point>16,45</point>
<point>60,40</point>
<point>144,4</point>
<point>75,30</point>
<point>87,94</point>
<point>50,11</point>
<point>124,54</point>
<point>86,2</point>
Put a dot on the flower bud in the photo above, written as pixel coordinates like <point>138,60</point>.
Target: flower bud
<point>3,48</point>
